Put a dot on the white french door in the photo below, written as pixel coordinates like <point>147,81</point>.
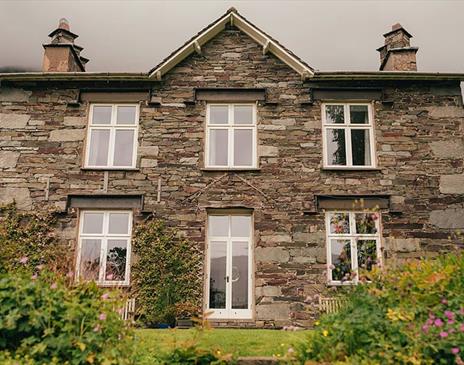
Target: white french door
<point>229,280</point>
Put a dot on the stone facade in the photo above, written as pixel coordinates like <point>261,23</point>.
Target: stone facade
<point>418,139</point>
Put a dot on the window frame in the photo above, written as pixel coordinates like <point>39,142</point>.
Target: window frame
<point>353,237</point>
<point>231,127</point>
<point>104,236</point>
<point>347,127</point>
<point>112,126</point>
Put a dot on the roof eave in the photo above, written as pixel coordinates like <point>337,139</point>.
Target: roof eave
<point>386,75</point>
<point>73,76</point>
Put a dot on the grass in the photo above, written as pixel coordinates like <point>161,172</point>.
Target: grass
<point>240,342</point>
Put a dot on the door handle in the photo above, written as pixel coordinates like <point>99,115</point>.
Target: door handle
<point>227,278</point>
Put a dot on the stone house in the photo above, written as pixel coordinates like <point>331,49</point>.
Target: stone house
<point>291,180</point>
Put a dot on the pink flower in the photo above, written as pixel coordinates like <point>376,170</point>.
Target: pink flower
<point>455,350</point>
<point>449,314</point>
<point>120,311</point>
<point>109,277</point>
<point>461,311</point>
<point>443,334</point>
<point>105,296</point>
<point>102,316</point>
<point>450,321</point>
<point>438,322</point>
<point>23,260</point>
<point>425,328</point>
<point>70,274</point>
<point>97,328</point>
<point>444,301</point>
<point>461,328</point>
<point>53,286</point>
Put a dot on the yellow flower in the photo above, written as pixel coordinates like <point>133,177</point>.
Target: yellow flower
<point>325,333</point>
<point>317,323</point>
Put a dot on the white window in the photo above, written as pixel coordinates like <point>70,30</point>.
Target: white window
<point>353,244</point>
<point>104,246</point>
<point>112,136</point>
<point>229,282</point>
<point>231,136</point>
<point>348,136</point>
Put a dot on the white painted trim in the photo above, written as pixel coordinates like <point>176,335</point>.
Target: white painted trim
<point>353,237</point>
<point>230,127</point>
<point>347,126</point>
<point>104,236</point>
<point>112,127</point>
<point>228,312</point>
<point>245,27</point>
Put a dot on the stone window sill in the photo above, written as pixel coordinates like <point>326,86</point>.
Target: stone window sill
<point>222,169</point>
<point>110,169</point>
<point>347,169</point>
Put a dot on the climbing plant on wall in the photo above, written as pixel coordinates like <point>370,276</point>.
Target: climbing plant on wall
<point>166,273</point>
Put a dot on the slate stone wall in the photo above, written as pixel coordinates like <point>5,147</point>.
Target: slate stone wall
<point>419,144</point>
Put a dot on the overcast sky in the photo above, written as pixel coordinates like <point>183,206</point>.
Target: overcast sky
<point>329,35</point>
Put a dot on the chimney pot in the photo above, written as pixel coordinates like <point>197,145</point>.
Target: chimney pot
<point>396,26</point>
<point>64,24</point>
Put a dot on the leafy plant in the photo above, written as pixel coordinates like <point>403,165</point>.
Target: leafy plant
<point>27,241</point>
<point>410,315</point>
<point>45,321</point>
<point>167,272</point>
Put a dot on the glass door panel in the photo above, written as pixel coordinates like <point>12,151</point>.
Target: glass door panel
<point>218,275</point>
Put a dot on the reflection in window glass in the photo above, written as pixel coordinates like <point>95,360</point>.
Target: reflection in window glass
<point>101,115</point>
<point>239,275</point>
<point>243,147</point>
<point>218,147</point>
<point>359,114</point>
<point>339,223</point>
<point>336,147</point>
<point>123,147</point>
<point>366,222</point>
<point>367,254</point>
<point>116,258</point>
<point>217,280</point>
<point>219,114</point>
<point>126,114</point>
<point>341,259</point>
<point>361,147</point>
<point>335,114</point>
<point>90,259</point>
<point>99,145</point>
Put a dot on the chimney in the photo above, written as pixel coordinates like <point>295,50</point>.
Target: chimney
<point>397,53</point>
<point>61,54</point>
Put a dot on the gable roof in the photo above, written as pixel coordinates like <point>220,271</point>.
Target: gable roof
<point>232,16</point>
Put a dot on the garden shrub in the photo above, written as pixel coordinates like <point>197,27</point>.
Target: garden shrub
<point>45,321</point>
<point>27,241</point>
<point>166,273</point>
<point>410,315</point>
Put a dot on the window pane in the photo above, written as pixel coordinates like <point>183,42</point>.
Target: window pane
<point>243,147</point>
<point>365,222</point>
<point>360,145</point>
<point>341,259</point>
<point>98,147</point>
<point>90,259</point>
<point>218,114</point>
<point>359,114</point>
<point>243,114</point>
<point>367,254</point>
<point>101,115</point>
<point>119,223</point>
<point>340,223</point>
<point>218,147</point>
<point>123,147</point>
<point>239,275</point>
<point>240,225</point>
<point>217,280</point>
<point>334,114</point>
<point>218,225</point>
<point>116,260</point>
<point>126,115</point>
<point>336,153</point>
<point>93,223</point>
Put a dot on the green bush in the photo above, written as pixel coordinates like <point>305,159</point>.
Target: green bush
<point>166,273</point>
<point>27,241</point>
<point>410,315</point>
<point>45,321</point>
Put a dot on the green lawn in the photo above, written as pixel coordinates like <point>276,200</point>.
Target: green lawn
<point>240,342</point>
